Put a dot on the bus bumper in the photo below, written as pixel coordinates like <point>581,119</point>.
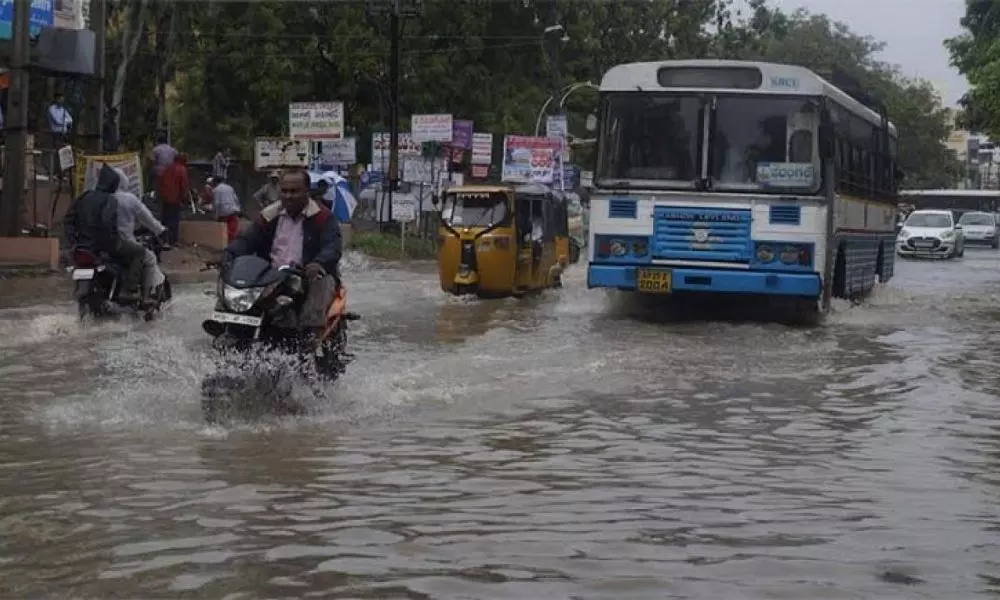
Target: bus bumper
<point>713,280</point>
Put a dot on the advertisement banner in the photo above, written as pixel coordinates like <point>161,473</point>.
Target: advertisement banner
<point>316,120</point>
<point>461,135</point>
<point>482,148</point>
<point>380,150</point>
<point>86,178</point>
<point>431,128</point>
<point>530,159</point>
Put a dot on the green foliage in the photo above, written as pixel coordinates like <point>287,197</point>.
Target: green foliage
<point>976,53</point>
<point>237,65</point>
<point>387,246</point>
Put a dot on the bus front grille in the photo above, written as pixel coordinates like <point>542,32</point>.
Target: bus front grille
<point>706,234</point>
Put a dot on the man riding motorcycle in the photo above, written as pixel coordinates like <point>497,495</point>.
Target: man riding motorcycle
<point>131,210</point>
<point>296,230</point>
<point>92,221</point>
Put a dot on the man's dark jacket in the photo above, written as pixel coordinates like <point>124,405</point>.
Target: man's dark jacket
<point>92,219</point>
<point>321,240</point>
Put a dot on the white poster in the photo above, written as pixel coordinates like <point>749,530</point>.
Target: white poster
<point>276,153</point>
<point>316,120</point>
<point>339,152</point>
<point>432,128</point>
<point>482,148</point>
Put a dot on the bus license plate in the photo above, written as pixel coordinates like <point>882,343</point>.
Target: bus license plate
<point>654,281</point>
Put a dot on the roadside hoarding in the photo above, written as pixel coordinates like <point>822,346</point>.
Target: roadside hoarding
<point>128,162</point>
<point>431,128</point>
<point>404,208</point>
<point>482,148</point>
<point>316,120</point>
<point>278,153</point>
<point>528,159</point>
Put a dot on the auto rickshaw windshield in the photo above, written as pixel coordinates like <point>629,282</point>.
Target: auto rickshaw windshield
<point>474,209</point>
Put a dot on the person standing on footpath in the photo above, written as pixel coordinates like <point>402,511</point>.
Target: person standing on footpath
<point>227,207</point>
<point>220,165</point>
<point>162,156</point>
<point>173,186</point>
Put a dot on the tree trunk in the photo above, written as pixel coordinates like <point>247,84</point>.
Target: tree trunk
<point>165,48</point>
<point>135,25</point>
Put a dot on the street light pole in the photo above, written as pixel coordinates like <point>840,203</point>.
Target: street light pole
<point>562,101</point>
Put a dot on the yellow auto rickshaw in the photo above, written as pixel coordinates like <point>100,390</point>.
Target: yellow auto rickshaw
<point>502,240</point>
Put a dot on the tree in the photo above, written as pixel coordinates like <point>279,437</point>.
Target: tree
<point>976,54</point>
<point>826,48</point>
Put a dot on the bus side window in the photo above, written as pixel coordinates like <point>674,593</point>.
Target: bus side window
<point>800,146</point>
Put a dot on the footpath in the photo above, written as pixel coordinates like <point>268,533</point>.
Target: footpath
<point>22,285</point>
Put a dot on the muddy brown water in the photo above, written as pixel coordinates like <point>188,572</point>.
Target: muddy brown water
<point>557,447</point>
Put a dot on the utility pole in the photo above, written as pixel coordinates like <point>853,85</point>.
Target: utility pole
<point>17,122</point>
<point>396,9</point>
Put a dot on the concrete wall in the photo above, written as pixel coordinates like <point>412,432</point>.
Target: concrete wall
<point>23,251</point>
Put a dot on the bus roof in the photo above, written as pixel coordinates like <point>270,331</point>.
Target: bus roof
<point>953,193</point>
<point>777,79</point>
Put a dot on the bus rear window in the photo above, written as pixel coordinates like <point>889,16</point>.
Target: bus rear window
<point>740,78</point>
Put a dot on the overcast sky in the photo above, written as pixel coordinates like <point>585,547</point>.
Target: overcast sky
<point>913,29</point>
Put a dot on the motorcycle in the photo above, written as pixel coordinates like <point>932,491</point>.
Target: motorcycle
<point>97,279</point>
<point>253,300</point>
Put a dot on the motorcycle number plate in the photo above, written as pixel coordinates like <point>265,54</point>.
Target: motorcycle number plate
<point>224,317</point>
<point>83,274</point>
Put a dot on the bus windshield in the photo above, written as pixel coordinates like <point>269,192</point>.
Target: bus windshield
<point>765,143</point>
<point>474,209</point>
<point>651,138</point>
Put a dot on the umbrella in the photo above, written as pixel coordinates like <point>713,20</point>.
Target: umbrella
<point>344,201</point>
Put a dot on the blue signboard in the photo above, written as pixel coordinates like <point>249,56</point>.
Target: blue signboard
<point>41,16</point>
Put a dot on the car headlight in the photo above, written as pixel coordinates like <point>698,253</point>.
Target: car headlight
<point>947,235</point>
<point>241,300</point>
<point>904,233</point>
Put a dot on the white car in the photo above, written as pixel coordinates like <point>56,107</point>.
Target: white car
<point>931,233</point>
<point>980,228</point>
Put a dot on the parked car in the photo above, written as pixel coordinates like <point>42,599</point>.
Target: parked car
<point>931,233</point>
<point>980,228</point>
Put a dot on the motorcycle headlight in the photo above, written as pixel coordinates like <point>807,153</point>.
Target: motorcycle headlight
<point>241,300</point>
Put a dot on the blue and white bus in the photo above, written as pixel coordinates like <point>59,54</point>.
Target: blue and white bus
<point>718,176</point>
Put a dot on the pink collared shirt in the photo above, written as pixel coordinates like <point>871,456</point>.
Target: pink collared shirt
<point>288,235</point>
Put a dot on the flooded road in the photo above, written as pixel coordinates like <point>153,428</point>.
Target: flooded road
<point>556,447</point>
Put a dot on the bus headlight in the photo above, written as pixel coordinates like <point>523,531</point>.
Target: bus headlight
<point>765,254</point>
<point>641,249</point>
<point>618,248</point>
<point>789,255</point>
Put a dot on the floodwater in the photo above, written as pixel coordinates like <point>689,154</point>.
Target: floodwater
<point>557,447</point>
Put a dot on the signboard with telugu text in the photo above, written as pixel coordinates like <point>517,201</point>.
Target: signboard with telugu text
<point>316,120</point>
<point>432,128</point>
<point>278,153</point>
<point>128,162</point>
<point>482,148</point>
